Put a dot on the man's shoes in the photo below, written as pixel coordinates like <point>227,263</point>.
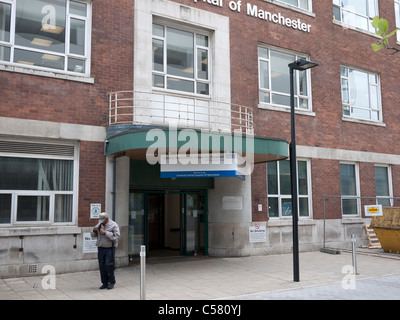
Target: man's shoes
<point>104,286</point>
<point>110,286</point>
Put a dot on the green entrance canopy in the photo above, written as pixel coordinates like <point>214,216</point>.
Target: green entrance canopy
<point>136,142</point>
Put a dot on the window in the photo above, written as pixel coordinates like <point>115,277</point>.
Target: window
<point>37,188</point>
<point>180,60</point>
<point>357,13</point>
<point>383,185</point>
<point>279,189</point>
<point>45,34</point>
<point>350,189</point>
<point>274,80</point>
<point>361,94</point>
<point>397,13</point>
<point>303,4</point>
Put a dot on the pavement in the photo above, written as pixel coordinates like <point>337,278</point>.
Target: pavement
<point>322,276</point>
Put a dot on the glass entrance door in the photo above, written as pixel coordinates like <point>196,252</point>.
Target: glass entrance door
<point>174,220</point>
<point>194,223</point>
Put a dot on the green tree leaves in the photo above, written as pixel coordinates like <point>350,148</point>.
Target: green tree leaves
<point>382,30</point>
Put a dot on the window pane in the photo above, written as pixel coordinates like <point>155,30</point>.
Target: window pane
<point>5,208</point>
<point>359,88</point>
<point>158,55</point>
<point>180,53</point>
<point>203,88</point>
<point>40,24</point>
<point>280,78</point>
<point>355,20</point>
<point>302,174</point>
<point>33,208</point>
<point>264,97</point>
<point>36,174</point>
<point>273,210</point>
<point>78,8</point>
<point>77,37</point>
<point>5,12</point>
<point>202,64</point>
<point>345,91</point>
<point>282,100</point>
<point>303,89</point>
<point>284,173</point>
<point>263,53</point>
<point>272,178</point>
<point>382,181</point>
<point>158,30</point>
<point>286,207</point>
<point>181,85</point>
<point>264,74</point>
<point>348,179</point>
<point>349,206</point>
<point>359,6</point>
<point>158,81</point>
<point>303,207</point>
<point>63,208</point>
<point>202,40</point>
<point>4,53</point>
<point>76,65</point>
<point>38,59</point>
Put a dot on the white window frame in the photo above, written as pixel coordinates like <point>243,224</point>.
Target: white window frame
<point>195,79</point>
<point>369,16</point>
<point>18,67</point>
<point>349,106</point>
<point>397,14</point>
<point>390,184</point>
<point>284,3</point>
<point>280,197</point>
<point>351,197</point>
<point>276,107</point>
<point>49,193</point>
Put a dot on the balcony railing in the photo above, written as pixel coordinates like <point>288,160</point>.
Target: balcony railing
<point>149,108</point>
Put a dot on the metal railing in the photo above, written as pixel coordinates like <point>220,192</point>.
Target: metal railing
<point>154,108</point>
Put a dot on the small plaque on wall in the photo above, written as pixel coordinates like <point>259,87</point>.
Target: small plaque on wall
<point>232,203</point>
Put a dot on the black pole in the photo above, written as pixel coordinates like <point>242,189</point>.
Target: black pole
<point>293,179</point>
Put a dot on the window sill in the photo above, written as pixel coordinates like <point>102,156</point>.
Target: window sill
<point>287,6</point>
<point>36,231</point>
<point>349,26</point>
<point>276,222</point>
<point>285,109</point>
<point>352,220</point>
<point>364,121</point>
<point>49,74</point>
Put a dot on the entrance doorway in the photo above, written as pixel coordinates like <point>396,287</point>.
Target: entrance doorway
<point>168,222</point>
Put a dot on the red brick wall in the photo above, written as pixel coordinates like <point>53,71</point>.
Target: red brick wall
<point>92,184</point>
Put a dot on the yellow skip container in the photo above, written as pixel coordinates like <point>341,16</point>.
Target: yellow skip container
<point>387,229</point>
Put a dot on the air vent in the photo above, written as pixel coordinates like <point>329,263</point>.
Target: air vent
<point>36,148</point>
<point>32,268</point>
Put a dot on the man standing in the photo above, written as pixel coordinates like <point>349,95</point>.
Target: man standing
<point>107,234</point>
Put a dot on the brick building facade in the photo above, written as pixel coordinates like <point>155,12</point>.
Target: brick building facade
<point>84,82</point>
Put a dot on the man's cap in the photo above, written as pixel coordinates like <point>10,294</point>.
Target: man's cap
<point>103,216</point>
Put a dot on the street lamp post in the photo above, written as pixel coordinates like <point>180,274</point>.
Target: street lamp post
<point>300,65</point>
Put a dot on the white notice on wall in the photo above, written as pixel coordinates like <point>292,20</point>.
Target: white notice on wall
<point>89,243</point>
<point>232,203</point>
<point>257,233</point>
<point>95,210</point>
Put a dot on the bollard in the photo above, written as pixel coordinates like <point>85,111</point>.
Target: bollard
<point>143,273</point>
<point>353,240</point>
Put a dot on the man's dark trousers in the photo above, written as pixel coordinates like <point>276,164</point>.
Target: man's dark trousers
<point>106,265</point>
